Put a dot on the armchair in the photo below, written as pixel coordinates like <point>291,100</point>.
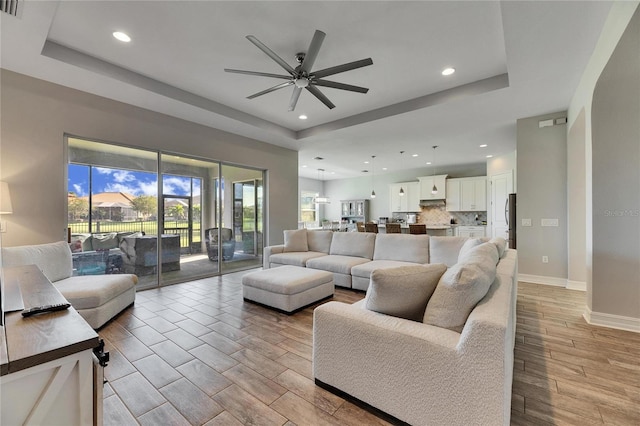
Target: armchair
<point>228,243</point>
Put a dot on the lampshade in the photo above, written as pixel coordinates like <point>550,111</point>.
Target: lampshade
<point>5,199</point>
<point>401,192</point>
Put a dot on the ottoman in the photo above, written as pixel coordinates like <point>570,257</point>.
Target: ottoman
<point>287,288</point>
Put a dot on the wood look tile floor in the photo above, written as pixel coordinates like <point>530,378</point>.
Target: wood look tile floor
<point>197,354</point>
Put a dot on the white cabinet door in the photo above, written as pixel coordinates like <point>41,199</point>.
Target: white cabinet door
<point>426,186</point>
<point>481,194</point>
<point>471,231</point>
<point>453,195</point>
<point>413,196</point>
<point>397,203</point>
<point>474,194</point>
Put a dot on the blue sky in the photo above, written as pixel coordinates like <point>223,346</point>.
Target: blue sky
<point>129,182</point>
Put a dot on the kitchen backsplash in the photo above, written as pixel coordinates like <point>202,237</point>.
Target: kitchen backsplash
<point>438,215</point>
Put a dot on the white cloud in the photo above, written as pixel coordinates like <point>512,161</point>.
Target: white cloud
<point>176,186</point>
<point>104,170</point>
<point>77,188</point>
<point>123,176</point>
<point>137,188</point>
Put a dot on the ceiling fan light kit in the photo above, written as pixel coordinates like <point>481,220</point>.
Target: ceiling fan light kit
<point>301,77</point>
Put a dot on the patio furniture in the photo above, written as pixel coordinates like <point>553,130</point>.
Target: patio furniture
<point>140,254</point>
<point>228,243</point>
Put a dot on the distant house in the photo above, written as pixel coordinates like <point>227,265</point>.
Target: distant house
<point>114,206</point>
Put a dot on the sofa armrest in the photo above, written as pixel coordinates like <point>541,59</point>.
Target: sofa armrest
<point>396,365</point>
<point>268,251</point>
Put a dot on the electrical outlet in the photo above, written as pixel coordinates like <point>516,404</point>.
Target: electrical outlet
<point>548,222</point>
<point>526,222</point>
<point>545,259</point>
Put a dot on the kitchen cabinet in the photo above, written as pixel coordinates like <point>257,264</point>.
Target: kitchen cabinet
<point>467,194</point>
<point>409,202</point>
<point>470,231</point>
<point>355,210</point>
<point>427,183</point>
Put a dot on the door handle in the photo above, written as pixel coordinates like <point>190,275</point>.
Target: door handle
<point>506,211</point>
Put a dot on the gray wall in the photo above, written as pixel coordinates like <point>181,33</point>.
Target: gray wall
<point>37,114</point>
<point>615,130</point>
<point>542,193</point>
<point>577,202</point>
<point>360,187</point>
<point>305,184</point>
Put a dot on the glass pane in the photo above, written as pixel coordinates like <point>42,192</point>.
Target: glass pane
<point>242,216</point>
<point>189,232</point>
<point>112,205</point>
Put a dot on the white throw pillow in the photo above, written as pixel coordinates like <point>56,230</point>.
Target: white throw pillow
<point>457,293</point>
<point>403,291</point>
<point>295,240</point>
<point>467,246</point>
<point>501,245</point>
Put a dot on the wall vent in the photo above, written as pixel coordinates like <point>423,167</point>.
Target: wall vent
<point>9,6</point>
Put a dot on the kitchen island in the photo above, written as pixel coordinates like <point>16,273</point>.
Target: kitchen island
<point>433,230</point>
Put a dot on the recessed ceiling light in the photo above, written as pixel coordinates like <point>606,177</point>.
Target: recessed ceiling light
<point>384,168</point>
<point>333,173</point>
<point>304,166</point>
<point>366,162</point>
<point>448,71</point>
<point>302,117</point>
<point>414,155</point>
<point>122,36</point>
<point>428,162</point>
<point>489,156</point>
<point>484,145</point>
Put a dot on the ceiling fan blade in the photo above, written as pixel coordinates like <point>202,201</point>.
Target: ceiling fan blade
<point>318,94</point>
<point>271,89</point>
<point>294,98</point>
<point>312,52</point>
<point>341,86</point>
<point>261,74</point>
<point>342,68</point>
<point>270,53</point>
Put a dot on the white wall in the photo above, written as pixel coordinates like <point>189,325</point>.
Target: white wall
<point>36,115</point>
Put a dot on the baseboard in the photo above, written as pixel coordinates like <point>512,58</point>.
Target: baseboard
<point>541,279</point>
<point>612,321</point>
<point>553,281</point>
<point>576,285</point>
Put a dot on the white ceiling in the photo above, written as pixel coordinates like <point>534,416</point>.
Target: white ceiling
<point>513,60</point>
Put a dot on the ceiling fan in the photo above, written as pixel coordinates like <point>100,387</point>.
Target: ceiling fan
<point>301,77</point>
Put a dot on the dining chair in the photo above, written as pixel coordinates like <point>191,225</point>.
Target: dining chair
<point>393,228</point>
<point>360,226</point>
<point>417,228</point>
<point>371,227</point>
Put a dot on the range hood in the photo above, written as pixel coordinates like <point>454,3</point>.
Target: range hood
<point>432,203</point>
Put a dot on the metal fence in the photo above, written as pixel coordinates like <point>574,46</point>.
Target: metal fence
<point>148,227</point>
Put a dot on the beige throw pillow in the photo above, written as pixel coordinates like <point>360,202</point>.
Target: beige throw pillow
<point>403,291</point>
<point>295,240</point>
<point>468,246</point>
<point>501,244</point>
<point>457,293</point>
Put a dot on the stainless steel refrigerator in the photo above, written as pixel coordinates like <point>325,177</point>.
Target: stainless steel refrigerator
<point>510,217</point>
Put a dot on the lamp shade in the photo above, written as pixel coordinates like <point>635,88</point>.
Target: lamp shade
<point>5,199</point>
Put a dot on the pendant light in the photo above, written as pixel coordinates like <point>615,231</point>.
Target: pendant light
<point>373,174</point>
<point>401,193</point>
<point>434,190</point>
<point>321,199</point>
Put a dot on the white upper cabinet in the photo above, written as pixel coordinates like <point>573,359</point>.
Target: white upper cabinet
<point>426,186</point>
<point>409,202</point>
<point>467,194</point>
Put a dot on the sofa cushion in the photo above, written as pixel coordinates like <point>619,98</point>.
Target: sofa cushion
<point>295,240</point>
<point>485,255</point>
<point>457,293</point>
<point>403,291</point>
<point>445,249</point>
<point>402,247</point>
<point>91,291</point>
<point>298,258</point>
<point>501,245</point>
<point>84,240</point>
<point>468,246</point>
<point>336,263</point>
<point>53,259</point>
<point>105,241</point>
<point>357,244</point>
<point>364,270</point>
<point>319,241</point>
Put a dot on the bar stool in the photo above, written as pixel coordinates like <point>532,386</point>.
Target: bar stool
<point>417,228</point>
<point>371,227</point>
<point>393,228</point>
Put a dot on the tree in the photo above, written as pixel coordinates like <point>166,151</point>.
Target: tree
<point>177,211</point>
<point>78,208</point>
<point>145,205</point>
